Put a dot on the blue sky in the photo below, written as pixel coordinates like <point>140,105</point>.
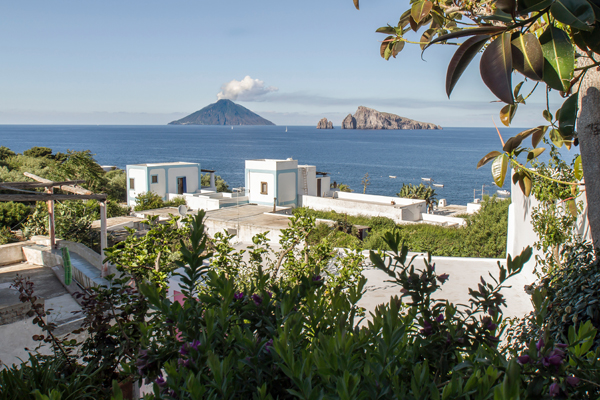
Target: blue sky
<point>150,62</point>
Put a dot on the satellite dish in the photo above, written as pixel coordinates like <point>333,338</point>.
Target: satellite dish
<point>182,210</point>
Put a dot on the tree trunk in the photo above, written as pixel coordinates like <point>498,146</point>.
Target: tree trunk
<point>588,132</point>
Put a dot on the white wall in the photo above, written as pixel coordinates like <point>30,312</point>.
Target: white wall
<point>325,186</point>
<point>160,187</point>
<point>140,184</point>
<point>254,183</point>
<point>311,180</point>
<point>286,187</point>
<point>191,174</point>
<point>372,198</point>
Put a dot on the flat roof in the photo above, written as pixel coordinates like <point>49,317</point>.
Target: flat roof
<point>165,164</point>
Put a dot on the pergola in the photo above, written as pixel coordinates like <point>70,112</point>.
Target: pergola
<point>78,193</point>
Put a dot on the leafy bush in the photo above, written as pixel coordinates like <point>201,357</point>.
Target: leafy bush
<point>7,236</point>
<point>72,221</point>
<point>38,152</point>
<point>116,185</point>
<point>220,183</point>
<point>421,191</point>
<point>12,213</point>
<point>151,201</point>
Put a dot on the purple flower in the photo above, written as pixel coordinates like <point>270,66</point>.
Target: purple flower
<point>491,326</point>
<point>427,329</point>
<point>269,294</point>
<point>554,390</point>
<point>524,359</point>
<point>184,363</point>
<point>194,345</point>
<point>440,318</point>
<point>540,344</point>
<point>555,360</point>
<point>184,350</point>
<point>432,267</point>
<point>317,278</point>
<point>160,381</point>
<point>443,278</point>
<point>257,299</point>
<point>562,345</point>
<point>169,321</point>
<point>572,380</point>
<point>238,296</point>
<point>268,345</point>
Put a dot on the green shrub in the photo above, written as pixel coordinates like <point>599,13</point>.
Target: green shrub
<point>116,185</point>
<point>220,183</point>
<point>12,213</point>
<point>38,152</point>
<point>148,201</point>
<point>7,236</point>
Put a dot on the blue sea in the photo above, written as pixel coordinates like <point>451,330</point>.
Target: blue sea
<point>447,156</point>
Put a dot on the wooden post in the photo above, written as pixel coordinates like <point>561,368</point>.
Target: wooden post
<point>51,219</point>
<point>103,243</point>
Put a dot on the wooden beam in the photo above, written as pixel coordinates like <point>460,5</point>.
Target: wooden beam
<point>39,184</point>
<point>47,197</point>
<point>71,189</point>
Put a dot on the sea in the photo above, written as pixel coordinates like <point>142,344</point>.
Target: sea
<point>390,157</point>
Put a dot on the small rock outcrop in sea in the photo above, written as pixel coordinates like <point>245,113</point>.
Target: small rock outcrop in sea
<point>223,112</point>
<point>324,124</point>
<point>367,118</point>
<point>349,122</point>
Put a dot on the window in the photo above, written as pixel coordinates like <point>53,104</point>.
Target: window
<point>154,179</point>
<point>264,188</point>
<point>131,183</point>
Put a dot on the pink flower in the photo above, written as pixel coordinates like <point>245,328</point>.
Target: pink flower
<point>160,381</point>
<point>554,389</point>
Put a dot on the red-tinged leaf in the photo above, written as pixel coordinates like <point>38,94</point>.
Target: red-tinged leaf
<point>390,30</point>
<point>534,153</point>
<point>559,58</point>
<point>525,184</point>
<point>499,168</point>
<point>496,68</point>
<point>507,113</point>
<point>426,38</point>
<point>489,157</point>
<point>461,59</point>
<point>486,30</point>
<point>537,135</point>
<point>420,10</point>
<point>356,4</point>
<point>404,19</point>
<point>384,46</point>
<point>528,57</point>
<point>525,134</point>
<point>397,48</point>
<point>512,144</point>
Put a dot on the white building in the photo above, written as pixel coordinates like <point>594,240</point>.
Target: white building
<point>283,182</point>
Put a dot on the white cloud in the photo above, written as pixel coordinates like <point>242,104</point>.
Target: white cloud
<point>247,89</point>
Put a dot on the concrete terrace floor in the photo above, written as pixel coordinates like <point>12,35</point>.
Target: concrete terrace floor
<point>17,336</point>
<point>250,214</point>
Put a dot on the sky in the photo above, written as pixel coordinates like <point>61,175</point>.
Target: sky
<point>292,62</point>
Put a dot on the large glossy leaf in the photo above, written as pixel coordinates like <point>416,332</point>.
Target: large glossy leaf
<point>499,168</point>
<point>385,50</point>
<point>525,183</point>
<point>356,4</point>
<point>529,6</point>
<point>496,68</point>
<point>488,157</point>
<point>512,143</point>
<point>486,30</point>
<point>568,116</point>
<point>592,39</point>
<point>404,19</point>
<point>390,30</point>
<point>577,170</point>
<point>576,13</point>
<point>527,56</point>
<point>426,38</point>
<point>397,47</point>
<point>559,58</point>
<point>420,10</point>
<point>461,59</point>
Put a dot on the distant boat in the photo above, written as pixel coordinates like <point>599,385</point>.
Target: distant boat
<point>438,185</point>
<point>393,176</point>
<point>232,128</point>
<point>503,192</point>
<point>426,179</point>
<point>286,128</point>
